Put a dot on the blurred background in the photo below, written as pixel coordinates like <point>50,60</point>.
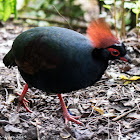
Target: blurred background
<point>117,93</point>
<point>123,15</point>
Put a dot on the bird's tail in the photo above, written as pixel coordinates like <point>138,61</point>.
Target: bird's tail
<point>9,59</point>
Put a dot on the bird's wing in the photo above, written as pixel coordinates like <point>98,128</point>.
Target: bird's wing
<point>38,56</point>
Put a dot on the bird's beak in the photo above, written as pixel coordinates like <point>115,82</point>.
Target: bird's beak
<point>126,58</point>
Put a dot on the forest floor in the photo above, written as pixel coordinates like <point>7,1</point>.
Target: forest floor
<point>110,109</point>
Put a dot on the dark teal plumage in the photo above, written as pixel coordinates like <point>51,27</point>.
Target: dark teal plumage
<point>61,60</point>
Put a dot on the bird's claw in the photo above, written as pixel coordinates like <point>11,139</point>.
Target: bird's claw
<point>66,113</point>
<point>22,102</point>
<point>22,99</point>
<point>71,118</point>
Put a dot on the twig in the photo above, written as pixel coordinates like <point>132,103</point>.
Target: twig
<point>51,21</point>
<point>108,128</point>
<point>115,18</point>
<point>122,99</point>
<point>66,15</point>
<point>62,17</point>
<point>91,112</point>
<point>123,91</point>
<point>6,94</point>
<point>135,123</point>
<point>18,81</point>
<point>124,114</point>
<point>130,130</point>
<point>123,22</point>
<point>120,134</point>
<point>34,123</point>
<point>38,137</point>
<point>4,122</point>
<point>37,122</point>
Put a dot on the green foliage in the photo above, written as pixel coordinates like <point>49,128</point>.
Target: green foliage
<point>122,14</point>
<point>136,8</point>
<point>133,6</point>
<point>65,7</point>
<point>107,7</point>
<point>7,7</point>
<point>129,5</point>
<point>108,2</point>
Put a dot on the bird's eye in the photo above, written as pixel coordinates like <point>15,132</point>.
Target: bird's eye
<point>114,52</point>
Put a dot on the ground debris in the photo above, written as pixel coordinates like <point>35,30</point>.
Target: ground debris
<point>109,109</point>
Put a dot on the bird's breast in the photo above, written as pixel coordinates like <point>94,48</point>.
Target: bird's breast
<point>68,76</point>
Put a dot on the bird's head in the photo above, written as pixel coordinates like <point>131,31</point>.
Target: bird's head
<point>115,51</point>
<point>106,45</point>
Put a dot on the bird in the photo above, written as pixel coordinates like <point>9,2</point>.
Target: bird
<point>59,60</point>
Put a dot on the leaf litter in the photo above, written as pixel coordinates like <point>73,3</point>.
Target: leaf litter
<point>109,109</point>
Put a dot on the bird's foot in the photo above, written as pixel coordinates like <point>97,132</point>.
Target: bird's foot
<point>22,101</point>
<point>66,114</point>
<point>71,118</point>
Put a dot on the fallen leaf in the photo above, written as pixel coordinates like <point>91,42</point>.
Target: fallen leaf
<point>124,68</point>
<point>109,115</point>
<point>83,134</point>
<point>65,134</point>
<point>123,77</point>
<point>129,80</point>
<point>11,98</point>
<point>129,103</point>
<point>98,109</point>
<point>134,71</point>
<point>11,128</point>
<point>112,74</point>
<point>14,118</point>
<point>134,78</point>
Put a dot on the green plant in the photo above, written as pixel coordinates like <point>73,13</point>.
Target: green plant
<point>136,10</point>
<point>107,5</point>
<point>52,9</point>
<point>123,8</point>
<point>7,7</point>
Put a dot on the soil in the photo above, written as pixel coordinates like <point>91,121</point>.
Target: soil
<point>110,109</point>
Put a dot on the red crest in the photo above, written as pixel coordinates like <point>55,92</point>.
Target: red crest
<point>100,34</point>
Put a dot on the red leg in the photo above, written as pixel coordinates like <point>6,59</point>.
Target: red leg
<point>22,100</point>
<point>66,114</point>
